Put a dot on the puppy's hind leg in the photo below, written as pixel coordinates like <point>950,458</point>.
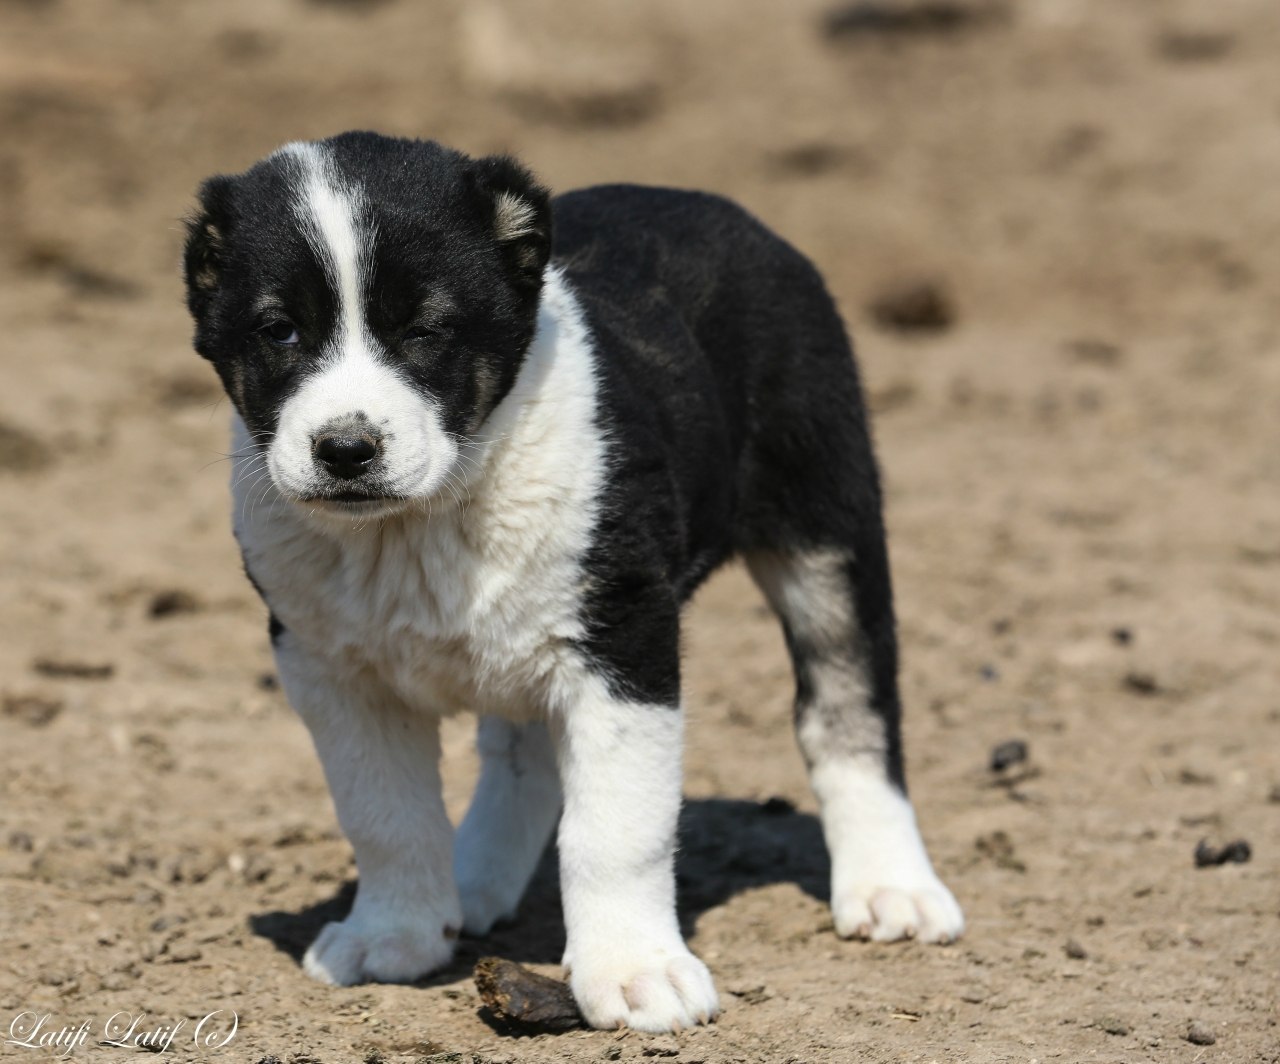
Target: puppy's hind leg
<point>510,819</point>
<point>883,886</point>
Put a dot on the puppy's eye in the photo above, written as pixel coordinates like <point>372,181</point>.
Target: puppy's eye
<point>281,331</point>
<point>419,332</point>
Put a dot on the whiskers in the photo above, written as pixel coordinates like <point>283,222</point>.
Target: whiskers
<point>256,446</point>
<point>472,450</point>
<point>250,463</point>
<point>252,484</point>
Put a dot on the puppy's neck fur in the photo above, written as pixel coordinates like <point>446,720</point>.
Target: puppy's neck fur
<point>543,438</point>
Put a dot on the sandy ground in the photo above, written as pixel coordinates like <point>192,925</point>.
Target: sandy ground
<point>1084,499</point>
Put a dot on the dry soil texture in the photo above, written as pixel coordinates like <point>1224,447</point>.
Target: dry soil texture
<point>1053,227</point>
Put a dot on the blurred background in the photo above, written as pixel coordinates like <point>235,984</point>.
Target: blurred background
<point>1052,226</point>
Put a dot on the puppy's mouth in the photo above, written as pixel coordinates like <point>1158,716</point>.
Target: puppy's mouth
<point>355,497</point>
<point>356,503</point>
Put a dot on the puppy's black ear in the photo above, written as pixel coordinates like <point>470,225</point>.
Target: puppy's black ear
<point>206,242</point>
<point>518,212</point>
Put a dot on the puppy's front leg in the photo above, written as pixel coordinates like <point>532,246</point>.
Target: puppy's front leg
<point>382,762</point>
<point>620,773</point>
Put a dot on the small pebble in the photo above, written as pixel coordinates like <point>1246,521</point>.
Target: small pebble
<point>870,19</point>
<point>1193,45</point>
<point>1200,1034</point>
<point>914,307</point>
<point>1011,752</point>
<point>1096,352</point>
<point>172,602</point>
<point>1074,950</point>
<point>1192,777</point>
<point>74,670</point>
<point>32,709</point>
<point>1142,683</point>
<point>1113,1025</point>
<point>1208,856</point>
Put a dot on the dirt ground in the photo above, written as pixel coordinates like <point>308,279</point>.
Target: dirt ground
<point>1053,227</point>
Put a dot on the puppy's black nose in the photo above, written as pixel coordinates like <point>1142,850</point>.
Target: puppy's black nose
<point>346,456</point>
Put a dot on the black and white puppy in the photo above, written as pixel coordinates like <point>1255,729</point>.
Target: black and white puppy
<point>487,444</point>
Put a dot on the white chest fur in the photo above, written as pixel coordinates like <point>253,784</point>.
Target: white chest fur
<point>470,602</point>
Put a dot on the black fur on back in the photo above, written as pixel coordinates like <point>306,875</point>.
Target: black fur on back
<point>736,417</point>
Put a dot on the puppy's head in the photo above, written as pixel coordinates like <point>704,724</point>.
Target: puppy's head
<point>367,302</point>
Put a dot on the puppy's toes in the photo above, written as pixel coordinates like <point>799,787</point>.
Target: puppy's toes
<point>348,953</point>
<point>941,920</point>
<point>336,957</point>
<point>649,988</point>
<point>852,917</point>
<point>893,916</point>
<point>924,910</point>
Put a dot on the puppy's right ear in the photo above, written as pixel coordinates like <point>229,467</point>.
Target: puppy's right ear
<point>204,258</point>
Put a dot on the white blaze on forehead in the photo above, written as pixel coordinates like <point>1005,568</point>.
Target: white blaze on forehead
<point>330,215</point>
<point>350,377</point>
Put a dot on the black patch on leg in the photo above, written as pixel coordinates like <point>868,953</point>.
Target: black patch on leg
<point>873,599</point>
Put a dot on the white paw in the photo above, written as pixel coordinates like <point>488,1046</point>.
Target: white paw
<point>883,886</point>
<point>353,952</point>
<point>649,988</point>
<point>925,910</point>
